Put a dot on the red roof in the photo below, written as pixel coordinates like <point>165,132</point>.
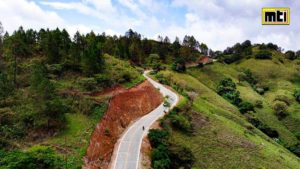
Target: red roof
<point>205,60</point>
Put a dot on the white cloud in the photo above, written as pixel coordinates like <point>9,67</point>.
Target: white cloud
<point>134,7</point>
<point>28,14</point>
<point>102,5</point>
<point>224,23</point>
<point>219,23</point>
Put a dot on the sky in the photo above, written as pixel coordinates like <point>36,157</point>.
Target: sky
<point>217,23</point>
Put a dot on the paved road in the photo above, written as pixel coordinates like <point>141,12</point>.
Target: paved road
<point>128,152</point>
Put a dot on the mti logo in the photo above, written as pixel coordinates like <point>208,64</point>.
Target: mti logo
<point>275,16</point>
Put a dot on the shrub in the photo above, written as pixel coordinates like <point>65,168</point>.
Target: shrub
<point>263,127</point>
<point>6,86</point>
<point>290,55</point>
<point>258,104</point>
<point>160,157</point>
<point>36,157</point>
<point>245,107</point>
<point>181,122</point>
<point>107,132</point>
<point>231,58</point>
<point>280,109</point>
<point>157,137</point>
<point>260,91</point>
<point>297,95</point>
<point>55,69</point>
<point>263,55</point>
<point>295,149</point>
<point>227,89</point>
<point>181,156</point>
<point>249,77</point>
<point>161,79</point>
<point>154,62</point>
<point>268,131</point>
<point>284,99</point>
<point>88,84</point>
<point>103,80</point>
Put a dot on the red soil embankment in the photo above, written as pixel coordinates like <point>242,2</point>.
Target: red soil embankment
<point>124,108</point>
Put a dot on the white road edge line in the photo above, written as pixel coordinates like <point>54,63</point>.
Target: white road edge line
<point>154,83</point>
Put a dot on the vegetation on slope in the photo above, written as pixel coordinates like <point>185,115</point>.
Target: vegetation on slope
<point>244,112</point>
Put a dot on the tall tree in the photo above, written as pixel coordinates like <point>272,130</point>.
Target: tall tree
<point>203,48</point>
<point>49,110</point>
<point>92,61</point>
<point>1,40</point>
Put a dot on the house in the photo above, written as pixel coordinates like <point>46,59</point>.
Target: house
<point>205,60</point>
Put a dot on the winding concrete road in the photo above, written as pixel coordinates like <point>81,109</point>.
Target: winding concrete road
<point>128,150</point>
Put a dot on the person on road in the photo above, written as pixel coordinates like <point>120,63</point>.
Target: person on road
<point>143,128</point>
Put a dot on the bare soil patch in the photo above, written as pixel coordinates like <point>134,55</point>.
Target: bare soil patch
<point>124,107</point>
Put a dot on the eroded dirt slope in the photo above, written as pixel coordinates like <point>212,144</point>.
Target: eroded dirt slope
<point>124,108</point>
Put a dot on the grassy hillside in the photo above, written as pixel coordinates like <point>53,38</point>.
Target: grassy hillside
<point>69,141</point>
<point>222,137</point>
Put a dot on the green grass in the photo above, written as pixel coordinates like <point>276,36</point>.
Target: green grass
<point>74,140</point>
<point>227,140</point>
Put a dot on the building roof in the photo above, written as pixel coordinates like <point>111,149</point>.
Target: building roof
<point>205,60</point>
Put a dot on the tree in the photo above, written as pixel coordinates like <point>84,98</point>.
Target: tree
<point>297,94</point>
<point>49,111</point>
<point>227,89</point>
<point>154,62</point>
<point>263,55</point>
<point>92,60</point>
<point>1,40</point>
<point>179,65</point>
<point>280,109</point>
<point>298,54</point>
<point>6,86</point>
<point>291,55</point>
<point>176,48</point>
<point>157,137</point>
<point>245,107</point>
<point>203,48</point>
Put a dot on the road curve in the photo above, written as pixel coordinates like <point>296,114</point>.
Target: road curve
<point>128,150</point>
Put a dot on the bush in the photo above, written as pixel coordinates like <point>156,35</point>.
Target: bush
<point>6,87</point>
<point>36,157</point>
<point>280,109</point>
<point>55,69</point>
<point>268,131</point>
<point>245,107</point>
<point>263,127</point>
<point>89,84</point>
<point>231,58</point>
<point>258,104</point>
<point>284,99</point>
<point>181,122</point>
<point>295,149</point>
<point>260,91</point>
<point>157,137</point>
<point>103,80</point>
<point>160,157</point>
<point>161,79</point>
<point>249,77</point>
<point>263,55</point>
<point>181,156</point>
<point>227,89</point>
<point>290,55</point>
<point>297,95</point>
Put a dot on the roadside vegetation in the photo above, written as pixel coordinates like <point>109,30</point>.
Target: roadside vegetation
<point>245,108</point>
<point>240,111</point>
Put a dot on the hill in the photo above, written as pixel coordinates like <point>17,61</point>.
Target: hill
<point>217,133</point>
